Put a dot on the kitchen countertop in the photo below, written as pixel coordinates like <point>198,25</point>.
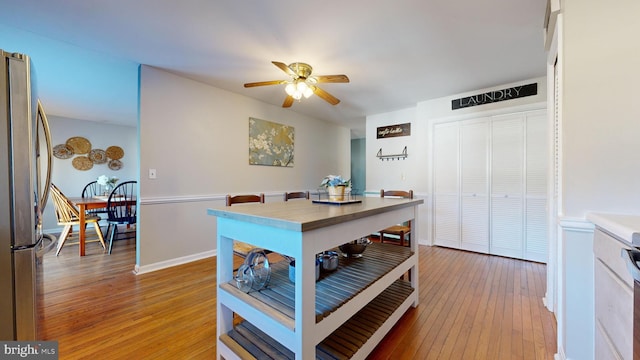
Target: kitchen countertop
<point>624,226</point>
<point>304,215</point>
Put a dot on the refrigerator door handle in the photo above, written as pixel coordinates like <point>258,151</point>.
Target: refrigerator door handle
<point>47,134</point>
<point>632,257</point>
<point>43,248</point>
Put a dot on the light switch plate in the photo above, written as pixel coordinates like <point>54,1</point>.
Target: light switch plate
<point>152,173</point>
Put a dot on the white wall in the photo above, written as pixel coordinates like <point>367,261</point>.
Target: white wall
<point>196,137</point>
<point>65,75</point>
<point>70,180</point>
<point>601,111</point>
<point>393,174</point>
<point>75,82</point>
<point>600,123</point>
<point>441,108</point>
<point>415,172</point>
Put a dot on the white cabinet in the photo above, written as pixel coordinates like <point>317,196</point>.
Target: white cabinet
<point>312,319</point>
<point>613,299</point>
<point>490,185</point>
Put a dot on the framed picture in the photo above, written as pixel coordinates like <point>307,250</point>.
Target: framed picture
<point>270,143</point>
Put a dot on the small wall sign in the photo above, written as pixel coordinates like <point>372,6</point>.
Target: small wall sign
<point>393,131</point>
<point>495,96</point>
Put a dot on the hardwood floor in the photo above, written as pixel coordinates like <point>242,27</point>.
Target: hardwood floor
<point>472,306</point>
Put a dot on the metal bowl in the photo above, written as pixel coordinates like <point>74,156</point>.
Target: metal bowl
<point>292,270</point>
<point>354,248</point>
<point>328,260</point>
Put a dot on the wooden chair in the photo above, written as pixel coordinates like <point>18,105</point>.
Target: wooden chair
<point>90,190</point>
<point>121,208</point>
<point>68,215</point>
<point>239,248</point>
<point>296,195</point>
<point>403,231</point>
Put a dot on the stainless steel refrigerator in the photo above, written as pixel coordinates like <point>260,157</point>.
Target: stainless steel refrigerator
<point>25,175</point>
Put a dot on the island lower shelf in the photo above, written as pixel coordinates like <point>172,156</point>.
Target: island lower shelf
<point>333,289</point>
<point>360,333</point>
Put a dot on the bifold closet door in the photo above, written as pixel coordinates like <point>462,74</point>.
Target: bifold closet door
<point>474,175</point>
<point>537,159</point>
<point>507,185</point>
<point>446,202</point>
<point>490,184</point>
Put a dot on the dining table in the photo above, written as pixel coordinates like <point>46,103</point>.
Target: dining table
<point>89,203</point>
<point>83,204</point>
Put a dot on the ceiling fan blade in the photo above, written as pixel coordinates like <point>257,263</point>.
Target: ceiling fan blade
<point>263,83</point>
<point>325,96</point>
<point>332,78</point>
<point>288,101</point>
<point>285,68</point>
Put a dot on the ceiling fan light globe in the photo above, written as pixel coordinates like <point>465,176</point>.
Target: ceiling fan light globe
<point>290,89</point>
<point>297,95</point>
<point>301,86</point>
<point>307,92</point>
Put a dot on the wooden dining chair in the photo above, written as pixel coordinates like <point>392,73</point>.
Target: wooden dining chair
<point>121,209</point>
<point>68,215</point>
<point>240,248</point>
<point>402,231</point>
<point>90,190</point>
<point>296,195</point>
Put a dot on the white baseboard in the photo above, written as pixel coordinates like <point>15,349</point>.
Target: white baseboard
<point>560,355</point>
<point>547,304</point>
<point>173,262</point>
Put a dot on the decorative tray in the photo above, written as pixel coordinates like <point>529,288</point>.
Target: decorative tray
<point>63,151</point>
<point>82,163</point>
<point>114,152</point>
<point>79,144</point>
<point>334,202</point>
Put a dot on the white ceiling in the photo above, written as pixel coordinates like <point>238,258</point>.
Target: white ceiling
<point>396,53</point>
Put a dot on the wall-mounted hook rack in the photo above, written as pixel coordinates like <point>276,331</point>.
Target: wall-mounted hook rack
<point>392,157</point>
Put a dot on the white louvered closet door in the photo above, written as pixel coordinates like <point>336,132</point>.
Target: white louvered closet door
<point>537,156</point>
<point>474,199</point>
<point>446,185</point>
<point>507,185</point>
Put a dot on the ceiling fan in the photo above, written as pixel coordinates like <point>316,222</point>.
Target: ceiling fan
<point>302,83</point>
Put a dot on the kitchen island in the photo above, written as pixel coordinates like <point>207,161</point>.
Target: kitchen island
<point>346,312</point>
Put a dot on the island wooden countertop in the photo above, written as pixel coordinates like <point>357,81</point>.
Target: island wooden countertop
<point>304,215</point>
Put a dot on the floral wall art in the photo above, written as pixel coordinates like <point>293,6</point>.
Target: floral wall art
<point>270,143</point>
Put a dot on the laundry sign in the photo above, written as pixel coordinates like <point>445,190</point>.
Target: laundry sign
<point>495,96</point>
<point>393,131</point>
